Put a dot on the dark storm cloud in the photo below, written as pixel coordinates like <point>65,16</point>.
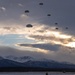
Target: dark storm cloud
<point>42,46</point>
<point>61,11</point>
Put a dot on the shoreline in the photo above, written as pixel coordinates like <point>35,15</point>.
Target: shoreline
<point>29,69</point>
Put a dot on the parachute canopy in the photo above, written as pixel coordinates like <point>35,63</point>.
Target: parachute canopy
<point>29,25</point>
<point>40,3</point>
<point>48,14</point>
<point>66,27</point>
<point>56,23</point>
<point>26,11</point>
<point>56,28</point>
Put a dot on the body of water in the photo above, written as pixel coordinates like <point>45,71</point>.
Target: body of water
<point>36,73</point>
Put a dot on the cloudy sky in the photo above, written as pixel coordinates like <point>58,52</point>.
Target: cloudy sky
<point>45,39</point>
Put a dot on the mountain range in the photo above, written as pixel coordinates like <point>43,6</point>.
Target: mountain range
<point>27,61</point>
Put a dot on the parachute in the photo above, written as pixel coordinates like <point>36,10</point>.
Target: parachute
<point>66,27</point>
<point>56,23</point>
<point>27,11</point>
<point>56,28</point>
<point>48,14</point>
<point>40,3</point>
<point>29,25</point>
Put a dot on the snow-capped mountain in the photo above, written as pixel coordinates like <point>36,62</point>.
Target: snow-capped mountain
<point>19,59</point>
<point>25,58</point>
<point>1,58</point>
<point>32,63</point>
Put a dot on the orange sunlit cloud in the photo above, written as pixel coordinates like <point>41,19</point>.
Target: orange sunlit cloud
<point>41,33</point>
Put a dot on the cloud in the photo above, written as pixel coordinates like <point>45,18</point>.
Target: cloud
<point>32,48</point>
<point>44,29</point>
<point>52,36</point>
<point>6,51</point>
<point>62,14</point>
<point>41,46</point>
<point>41,33</point>
<point>62,55</point>
<point>23,16</point>
<point>64,41</point>
<point>19,4</point>
<point>3,8</point>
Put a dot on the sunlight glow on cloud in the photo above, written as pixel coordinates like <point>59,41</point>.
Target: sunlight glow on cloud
<point>71,44</point>
<point>23,16</point>
<point>58,35</point>
<point>41,33</point>
<point>32,49</point>
<point>42,51</point>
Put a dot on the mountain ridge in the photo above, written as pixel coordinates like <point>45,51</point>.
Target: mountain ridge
<point>35,64</point>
